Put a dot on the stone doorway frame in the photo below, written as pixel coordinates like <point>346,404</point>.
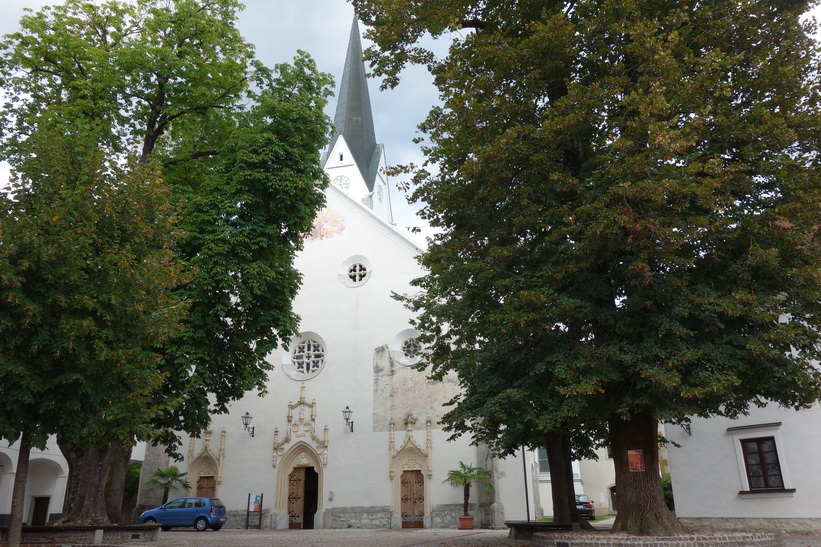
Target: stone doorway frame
<point>409,457</point>
<point>301,454</point>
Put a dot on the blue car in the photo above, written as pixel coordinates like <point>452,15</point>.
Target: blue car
<point>201,513</point>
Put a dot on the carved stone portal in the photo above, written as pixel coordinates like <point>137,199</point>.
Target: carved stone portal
<point>407,458</point>
<point>205,470</point>
<point>301,427</point>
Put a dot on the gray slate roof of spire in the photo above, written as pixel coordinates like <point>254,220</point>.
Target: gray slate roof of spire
<point>353,118</point>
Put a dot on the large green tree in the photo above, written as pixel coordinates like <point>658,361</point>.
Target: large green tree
<point>87,274</point>
<point>632,189</point>
<point>173,83</point>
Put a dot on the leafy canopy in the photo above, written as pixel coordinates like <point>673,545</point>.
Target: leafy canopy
<point>628,197</point>
<point>173,85</point>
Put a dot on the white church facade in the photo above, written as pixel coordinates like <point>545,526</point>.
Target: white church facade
<point>383,467</point>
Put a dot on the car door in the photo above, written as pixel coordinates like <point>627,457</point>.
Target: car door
<point>189,512</point>
<point>172,514</point>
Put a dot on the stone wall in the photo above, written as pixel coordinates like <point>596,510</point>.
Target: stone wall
<point>64,535</point>
<point>358,517</point>
<point>236,520</point>
<point>791,526</point>
<point>689,540</point>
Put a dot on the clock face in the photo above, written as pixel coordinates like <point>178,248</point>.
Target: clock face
<point>379,194</point>
<point>342,182</point>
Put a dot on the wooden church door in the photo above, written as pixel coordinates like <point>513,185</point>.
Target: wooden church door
<point>303,497</point>
<point>412,496</point>
<point>206,487</point>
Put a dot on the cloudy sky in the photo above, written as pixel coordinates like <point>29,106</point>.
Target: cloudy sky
<point>321,27</point>
<point>278,28</point>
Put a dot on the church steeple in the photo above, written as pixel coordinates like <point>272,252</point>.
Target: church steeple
<point>354,161</point>
<point>353,119</point>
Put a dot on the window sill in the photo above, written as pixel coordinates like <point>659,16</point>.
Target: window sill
<point>768,493</point>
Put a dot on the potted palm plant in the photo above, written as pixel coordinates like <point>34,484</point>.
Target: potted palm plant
<point>166,479</point>
<point>464,476</point>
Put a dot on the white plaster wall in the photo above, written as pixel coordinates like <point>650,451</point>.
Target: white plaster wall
<point>707,477</point>
<point>546,491</point>
<point>513,481</point>
<point>597,476</point>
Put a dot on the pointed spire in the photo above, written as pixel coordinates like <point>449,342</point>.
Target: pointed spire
<point>353,119</point>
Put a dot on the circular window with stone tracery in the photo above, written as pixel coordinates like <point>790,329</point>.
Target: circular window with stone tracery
<point>405,348</point>
<point>355,271</point>
<point>306,357</point>
<point>411,348</point>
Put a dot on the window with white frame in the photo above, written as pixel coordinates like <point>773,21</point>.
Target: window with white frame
<point>759,453</point>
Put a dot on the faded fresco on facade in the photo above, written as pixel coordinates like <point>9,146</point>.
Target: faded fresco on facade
<point>399,390</point>
<point>328,223</point>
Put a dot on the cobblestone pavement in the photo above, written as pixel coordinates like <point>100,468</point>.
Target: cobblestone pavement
<point>434,537</point>
<point>339,538</point>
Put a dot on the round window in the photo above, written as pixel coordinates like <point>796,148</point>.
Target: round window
<point>306,358</point>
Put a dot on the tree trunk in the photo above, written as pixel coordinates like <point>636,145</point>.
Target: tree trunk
<point>116,485</point>
<point>642,510</point>
<point>87,471</point>
<point>466,502</point>
<point>560,460</point>
<point>18,496</point>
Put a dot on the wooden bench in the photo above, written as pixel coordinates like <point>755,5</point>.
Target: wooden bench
<point>523,529</point>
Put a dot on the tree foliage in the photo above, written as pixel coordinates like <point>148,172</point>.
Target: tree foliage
<point>627,197</point>
<point>88,272</point>
<point>171,88</point>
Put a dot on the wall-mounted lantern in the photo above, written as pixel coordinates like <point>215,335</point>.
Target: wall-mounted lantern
<point>347,413</point>
<point>246,423</point>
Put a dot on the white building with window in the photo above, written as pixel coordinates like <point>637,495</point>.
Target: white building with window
<point>595,478</point>
<point>759,472</point>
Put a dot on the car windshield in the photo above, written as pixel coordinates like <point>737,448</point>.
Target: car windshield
<point>217,503</point>
<point>582,497</point>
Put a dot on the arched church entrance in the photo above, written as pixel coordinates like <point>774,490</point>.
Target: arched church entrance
<point>203,476</point>
<point>410,505</point>
<point>299,487</point>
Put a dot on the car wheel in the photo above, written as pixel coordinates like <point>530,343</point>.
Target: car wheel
<point>201,524</point>
<point>217,527</point>
<point>150,520</point>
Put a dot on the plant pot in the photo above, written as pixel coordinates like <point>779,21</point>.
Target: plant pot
<point>466,523</point>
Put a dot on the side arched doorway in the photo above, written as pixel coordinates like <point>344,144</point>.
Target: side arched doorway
<point>299,489</point>
<point>202,476</point>
<point>410,501</point>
